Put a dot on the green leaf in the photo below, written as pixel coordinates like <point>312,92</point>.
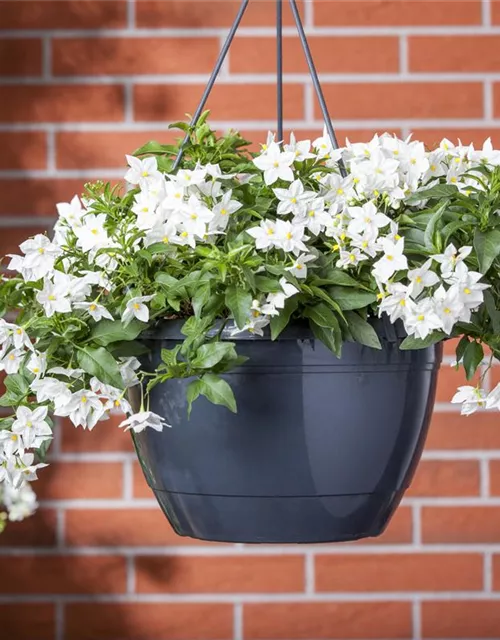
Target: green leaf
<point>349,299</point>
<point>461,347</point>
<point>107,331</point>
<point>278,323</point>
<point>193,391</point>
<point>493,311</point>
<point>331,338</point>
<point>411,342</point>
<point>127,349</point>
<point>267,285</point>
<point>321,315</point>
<point>362,331</point>
<point>208,355</point>
<point>438,191</point>
<point>473,356</point>
<point>101,364</point>
<point>487,246</point>
<point>432,238</point>
<point>153,147</point>
<point>16,385</point>
<point>335,276</point>
<point>200,298</point>
<point>218,391</point>
<point>239,302</point>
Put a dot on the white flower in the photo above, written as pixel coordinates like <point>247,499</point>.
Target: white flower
<point>31,426</point>
<point>190,177</point>
<point>301,149</point>
<point>20,502</point>
<point>396,302</point>
<point>222,210</point>
<point>83,409</point>
<point>10,443</point>
<point>393,260</point>
<point>135,308</point>
<point>142,172</point>
<point>277,300</point>
<point>350,257</point>
<point>139,421</point>
<point>299,267</point>
<point>264,234</point>
<point>37,364</point>
<point>289,237</point>
<point>50,389</point>
<point>275,164</point>
<point>421,278</point>
<point>448,307</point>
<point>294,199</point>
<point>255,325</point>
<point>366,219</point>
<point>96,310</point>
<point>40,256</point>
<point>71,212</point>
<point>92,234</point>
<point>24,469</point>
<point>493,398</point>
<point>421,318</point>
<point>195,216</point>
<point>127,368</point>
<point>471,399</point>
<point>467,288</point>
<point>11,361</point>
<point>450,258</point>
<point>54,297</point>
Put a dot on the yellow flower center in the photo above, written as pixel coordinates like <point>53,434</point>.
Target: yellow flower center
<point>289,236</point>
<point>270,232</point>
<point>137,306</point>
<point>293,200</point>
<point>390,258</point>
<point>41,250</point>
<point>92,307</point>
<point>144,174</point>
<point>467,291</point>
<point>421,317</point>
<point>223,212</point>
<point>52,297</point>
<point>447,310</point>
<point>418,279</point>
<point>276,164</point>
<point>94,231</point>
<point>184,234</point>
<point>84,399</point>
<point>402,302</point>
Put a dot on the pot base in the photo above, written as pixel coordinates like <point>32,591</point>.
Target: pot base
<point>290,519</point>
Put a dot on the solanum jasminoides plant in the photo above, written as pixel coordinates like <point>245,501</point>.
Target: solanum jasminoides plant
<point>249,242</point>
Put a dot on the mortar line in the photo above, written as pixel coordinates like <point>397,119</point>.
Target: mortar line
<point>488,572</point>
<point>416,620</point>
<point>486,13</point>
<point>238,632</point>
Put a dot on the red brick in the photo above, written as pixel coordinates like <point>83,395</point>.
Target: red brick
<point>461,524</point>
<point>496,99</point>
<point>122,527</point>
<point>149,621</point>
<point>178,14</point>
<point>212,574</point>
<point>61,103</point>
<point>495,11</point>
<point>78,150</point>
<point>399,530</point>
<point>449,380</point>
<point>11,238</point>
<point>453,431</point>
<point>106,436</point>
<point>20,57</point>
<point>62,575</point>
<point>23,150</point>
<point>495,477</point>
<point>38,196</point>
<point>396,13</point>
<point>130,56</point>
<point>37,531</point>
<point>369,54</point>
<point>496,572</point>
<point>403,100</point>
<point>399,572</point>
<point>462,619</point>
<point>454,53</point>
<point>28,620</point>
<point>226,102</point>
<point>85,480</point>
<point>435,478</point>
<point>66,14</point>
<point>302,621</point>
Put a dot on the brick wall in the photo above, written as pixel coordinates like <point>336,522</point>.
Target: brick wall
<point>81,83</point>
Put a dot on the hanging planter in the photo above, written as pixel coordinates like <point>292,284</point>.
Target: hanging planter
<point>282,312</point>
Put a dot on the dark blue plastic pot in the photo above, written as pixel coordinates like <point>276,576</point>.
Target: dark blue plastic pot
<point>321,449</point>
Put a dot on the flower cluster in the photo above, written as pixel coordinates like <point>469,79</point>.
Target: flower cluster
<point>253,241</point>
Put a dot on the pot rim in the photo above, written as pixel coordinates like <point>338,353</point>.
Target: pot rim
<point>296,330</point>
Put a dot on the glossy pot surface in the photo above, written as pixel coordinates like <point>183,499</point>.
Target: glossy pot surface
<point>321,449</point>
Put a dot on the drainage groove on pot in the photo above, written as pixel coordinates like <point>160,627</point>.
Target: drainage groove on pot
<point>321,449</point>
